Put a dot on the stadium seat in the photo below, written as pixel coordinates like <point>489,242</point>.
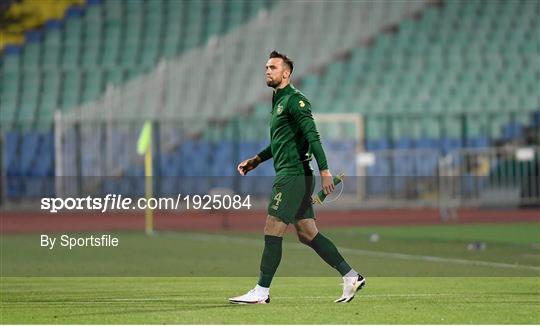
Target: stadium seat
<point>512,130</point>
<point>456,81</point>
<point>48,104</point>
<point>377,144</point>
<point>416,84</point>
<point>478,142</point>
<point>11,153</point>
<point>427,143</point>
<point>450,144</point>
<point>30,143</point>
<point>52,44</point>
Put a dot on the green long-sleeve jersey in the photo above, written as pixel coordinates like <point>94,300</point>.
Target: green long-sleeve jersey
<point>294,138</point>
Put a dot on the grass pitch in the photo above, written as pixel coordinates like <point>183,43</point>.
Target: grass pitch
<point>307,300</point>
<point>418,275</point>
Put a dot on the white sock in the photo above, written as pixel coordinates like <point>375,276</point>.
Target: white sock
<point>351,273</point>
<point>262,290</point>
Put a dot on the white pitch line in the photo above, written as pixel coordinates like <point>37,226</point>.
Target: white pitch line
<point>531,255</point>
<point>354,251</point>
<point>436,259</point>
<point>189,299</point>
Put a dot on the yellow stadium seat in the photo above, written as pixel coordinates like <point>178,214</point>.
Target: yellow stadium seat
<point>33,13</point>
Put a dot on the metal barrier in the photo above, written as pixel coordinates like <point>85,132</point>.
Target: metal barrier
<point>501,176</point>
<point>404,176</point>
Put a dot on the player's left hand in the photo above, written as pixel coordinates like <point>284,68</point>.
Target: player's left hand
<point>327,182</point>
<point>247,165</point>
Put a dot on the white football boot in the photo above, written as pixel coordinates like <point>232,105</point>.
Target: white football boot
<point>351,285</point>
<point>252,297</point>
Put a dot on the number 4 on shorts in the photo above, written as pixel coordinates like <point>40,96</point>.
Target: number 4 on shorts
<point>277,198</point>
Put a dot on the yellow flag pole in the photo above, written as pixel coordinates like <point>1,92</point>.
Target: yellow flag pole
<point>144,146</point>
<point>149,213</point>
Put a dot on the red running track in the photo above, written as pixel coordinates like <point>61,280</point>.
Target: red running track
<point>33,222</point>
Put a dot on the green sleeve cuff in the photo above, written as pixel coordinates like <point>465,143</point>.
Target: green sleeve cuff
<point>265,154</point>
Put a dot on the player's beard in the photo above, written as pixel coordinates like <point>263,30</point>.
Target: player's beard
<point>272,83</point>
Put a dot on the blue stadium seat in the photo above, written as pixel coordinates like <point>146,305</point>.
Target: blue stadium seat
<point>169,186</point>
<point>427,143</point>
<point>404,168</point>
<point>10,154</point>
<point>450,144</point>
<point>132,184</point>
<point>377,181</point>
<point>110,186</point>
<point>15,187</point>
<point>262,177</point>
<point>30,143</point>
<point>403,143</point>
<point>377,144</point>
<point>535,119</point>
<point>478,142</point>
<point>43,166</point>
<point>34,187</point>
<point>194,156</point>
<point>222,161</point>
<point>512,130</point>
<point>426,163</point>
<point>169,172</point>
<point>169,165</point>
<point>403,164</point>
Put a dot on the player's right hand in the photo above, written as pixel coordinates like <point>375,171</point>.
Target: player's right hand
<point>248,165</point>
<point>327,182</point>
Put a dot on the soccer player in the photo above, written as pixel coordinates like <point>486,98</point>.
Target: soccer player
<point>294,139</point>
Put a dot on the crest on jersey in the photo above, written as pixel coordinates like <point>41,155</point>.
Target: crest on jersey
<point>279,109</point>
<point>302,104</point>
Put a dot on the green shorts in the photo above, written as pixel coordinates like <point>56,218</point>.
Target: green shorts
<point>291,198</point>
